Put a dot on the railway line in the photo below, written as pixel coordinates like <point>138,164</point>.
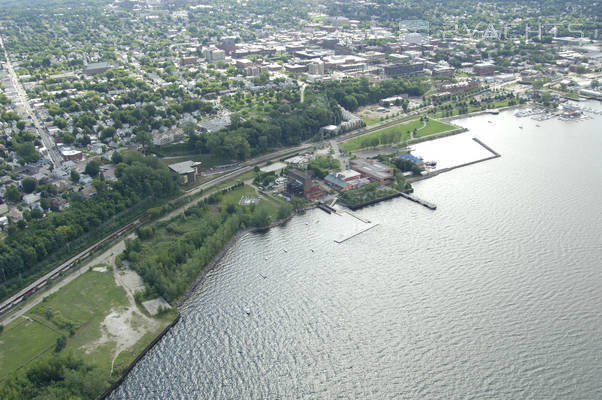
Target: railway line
<point>40,283</point>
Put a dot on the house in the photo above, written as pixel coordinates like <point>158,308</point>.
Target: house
<point>413,159</point>
<point>300,184</point>
<point>32,198</point>
<point>3,209</point>
<point>58,203</point>
<point>188,170</point>
<point>15,215</point>
<point>392,100</point>
<point>374,170</point>
<point>336,182</point>
<point>88,192</point>
<point>329,130</point>
<point>405,69</point>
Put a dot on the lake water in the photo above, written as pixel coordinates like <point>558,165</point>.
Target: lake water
<point>495,295</point>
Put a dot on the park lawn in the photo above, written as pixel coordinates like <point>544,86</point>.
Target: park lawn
<point>432,127</point>
<point>401,130</point>
<point>397,134</point>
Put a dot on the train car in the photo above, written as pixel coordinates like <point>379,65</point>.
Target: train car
<point>5,308</point>
<point>17,301</point>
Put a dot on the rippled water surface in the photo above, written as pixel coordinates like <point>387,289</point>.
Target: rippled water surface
<point>495,295</point>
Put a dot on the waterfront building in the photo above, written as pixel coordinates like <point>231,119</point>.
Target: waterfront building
<point>301,184</point>
<point>413,159</point>
<point>373,170</point>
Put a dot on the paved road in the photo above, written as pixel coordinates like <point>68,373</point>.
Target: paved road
<point>48,142</point>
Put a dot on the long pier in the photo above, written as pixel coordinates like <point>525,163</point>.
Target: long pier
<point>495,153</point>
<point>418,200</point>
<point>354,235</point>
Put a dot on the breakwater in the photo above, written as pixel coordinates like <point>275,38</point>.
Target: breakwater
<point>354,207</point>
<point>443,170</point>
<point>420,201</point>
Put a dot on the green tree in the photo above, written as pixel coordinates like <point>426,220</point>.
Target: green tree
<point>116,157</point>
<point>29,185</point>
<point>74,176</point>
<point>28,153</point>
<point>92,168</point>
<point>261,217</point>
<point>284,211</point>
<point>61,342</point>
<point>189,128</point>
<point>13,194</point>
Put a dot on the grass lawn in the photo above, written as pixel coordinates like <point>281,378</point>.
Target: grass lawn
<point>432,127</point>
<point>370,120</point>
<point>396,134</point>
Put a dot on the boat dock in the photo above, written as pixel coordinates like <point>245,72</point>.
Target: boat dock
<point>326,208</point>
<point>420,201</point>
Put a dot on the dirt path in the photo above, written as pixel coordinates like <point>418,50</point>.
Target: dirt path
<point>125,326</point>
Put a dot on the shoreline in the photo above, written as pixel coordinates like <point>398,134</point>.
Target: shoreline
<point>201,276</point>
<point>198,281</point>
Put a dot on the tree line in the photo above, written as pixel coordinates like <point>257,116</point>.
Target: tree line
<point>29,244</point>
<point>170,256</point>
<point>353,93</point>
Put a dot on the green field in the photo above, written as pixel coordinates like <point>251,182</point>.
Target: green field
<point>370,120</point>
<point>432,127</point>
<point>77,312</point>
<point>24,341</point>
<point>396,134</point>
